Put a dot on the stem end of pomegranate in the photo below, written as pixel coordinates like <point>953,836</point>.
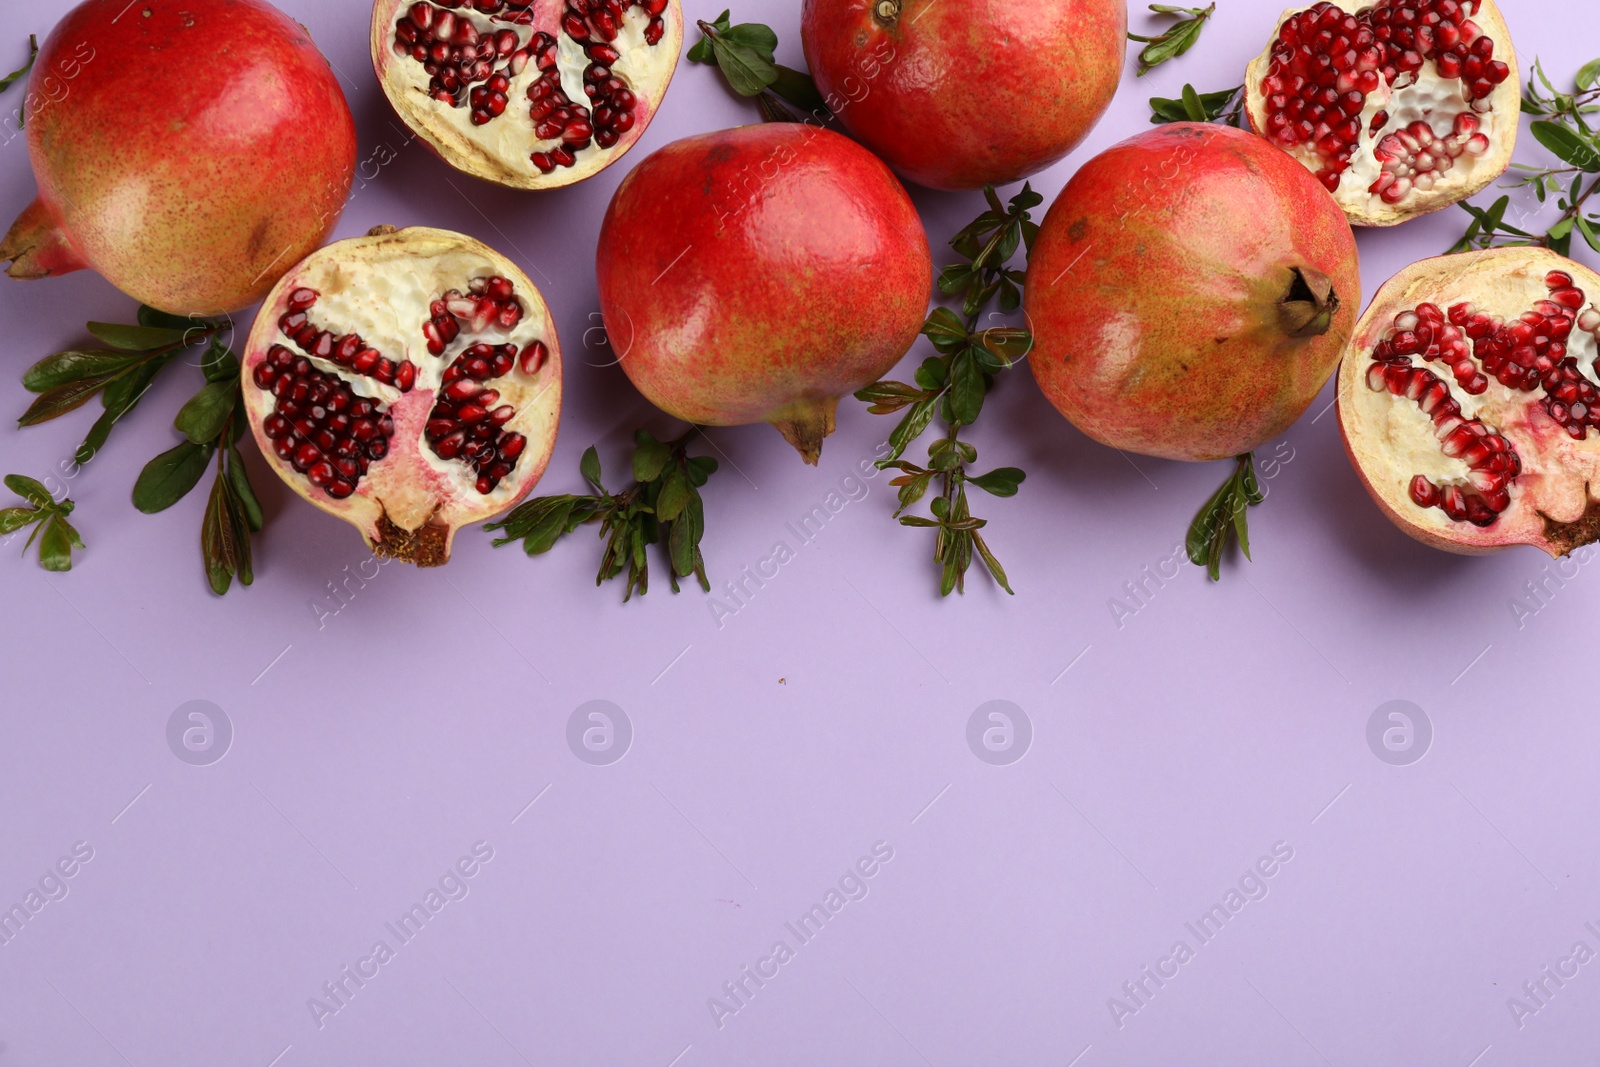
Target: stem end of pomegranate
<point>804,425</point>
<point>1307,309</point>
<point>426,546</point>
<point>36,246</point>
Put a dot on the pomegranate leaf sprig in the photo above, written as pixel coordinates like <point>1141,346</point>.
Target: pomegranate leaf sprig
<point>212,423</point>
<point>1223,517</point>
<point>1225,106</point>
<point>1178,39</point>
<point>745,55</point>
<point>47,516</point>
<point>120,374</point>
<point>952,385</point>
<point>663,506</point>
<point>1562,129</point>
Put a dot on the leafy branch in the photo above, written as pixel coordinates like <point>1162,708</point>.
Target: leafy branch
<point>952,385</point>
<point>48,517</point>
<point>1178,39</point>
<point>1561,127</point>
<point>212,423</point>
<point>1224,517</point>
<point>1225,106</point>
<point>663,506</point>
<point>745,55</point>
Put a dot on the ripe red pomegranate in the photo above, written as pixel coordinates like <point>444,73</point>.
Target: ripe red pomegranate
<point>187,152</point>
<point>1469,403</point>
<point>1190,292</point>
<point>1400,107</point>
<point>958,94</point>
<point>408,382</point>
<point>530,94</point>
<point>759,274</point>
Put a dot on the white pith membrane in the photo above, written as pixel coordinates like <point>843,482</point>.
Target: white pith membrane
<point>1425,138</point>
<point>489,125</point>
<point>408,489</point>
<point>1517,463</point>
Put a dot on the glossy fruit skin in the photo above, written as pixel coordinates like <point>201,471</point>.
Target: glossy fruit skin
<point>191,153</point>
<point>957,94</point>
<point>760,273</point>
<point>1154,292</point>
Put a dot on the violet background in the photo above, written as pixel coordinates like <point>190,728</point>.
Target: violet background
<point>829,713</point>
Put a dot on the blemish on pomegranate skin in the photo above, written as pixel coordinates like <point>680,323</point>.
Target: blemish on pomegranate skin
<point>1078,230</point>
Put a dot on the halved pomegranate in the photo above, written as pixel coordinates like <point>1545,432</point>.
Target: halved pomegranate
<point>408,382</point>
<point>1400,107</point>
<point>531,94</point>
<point>1469,401</point>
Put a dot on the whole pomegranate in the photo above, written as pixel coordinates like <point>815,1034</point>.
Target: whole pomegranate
<point>759,274</point>
<point>408,382</point>
<point>1468,401</point>
<point>189,192</point>
<point>1190,291</point>
<point>1400,107</point>
<point>958,94</point>
<point>530,94</point>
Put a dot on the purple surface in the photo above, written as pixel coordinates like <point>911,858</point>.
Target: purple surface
<point>829,713</point>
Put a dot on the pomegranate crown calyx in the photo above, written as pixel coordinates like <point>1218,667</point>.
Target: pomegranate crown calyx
<point>1308,307</point>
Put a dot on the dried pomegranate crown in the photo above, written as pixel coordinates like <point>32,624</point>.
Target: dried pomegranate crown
<point>527,93</point>
<point>1399,108</point>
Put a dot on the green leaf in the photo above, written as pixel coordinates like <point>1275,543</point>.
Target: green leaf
<point>168,478</point>
<point>701,468</point>
<point>161,320</point>
<point>676,492</point>
<point>136,338</point>
<point>202,419</point>
<point>219,545</point>
<point>14,519</point>
<point>909,429</point>
<point>1567,145</point>
<point>1009,343</point>
<point>947,332</point>
<point>967,388</point>
<point>1588,74</point>
<point>683,543</point>
<point>754,36</point>
<point>65,368</point>
<point>33,54</point>
<point>60,400</point>
<point>589,466</point>
<point>244,493</point>
<point>1590,230</point>
<point>30,490</point>
<point>932,374</point>
<point>1002,481</point>
<point>650,459</point>
<point>219,364</point>
<point>888,397</point>
<point>997,572</point>
<point>797,88</point>
<point>55,547</point>
<point>747,71</point>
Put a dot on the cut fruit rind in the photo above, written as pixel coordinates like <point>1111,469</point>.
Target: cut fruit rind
<point>1400,107</point>
<point>1466,400</point>
<point>408,382</point>
<point>531,94</point>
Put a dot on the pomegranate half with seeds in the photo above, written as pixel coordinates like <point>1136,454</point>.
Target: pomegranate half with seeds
<point>759,274</point>
<point>959,94</point>
<point>187,152</point>
<point>530,94</point>
<point>408,382</point>
<point>1399,107</point>
<point>1470,401</point>
<point>1190,292</point>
